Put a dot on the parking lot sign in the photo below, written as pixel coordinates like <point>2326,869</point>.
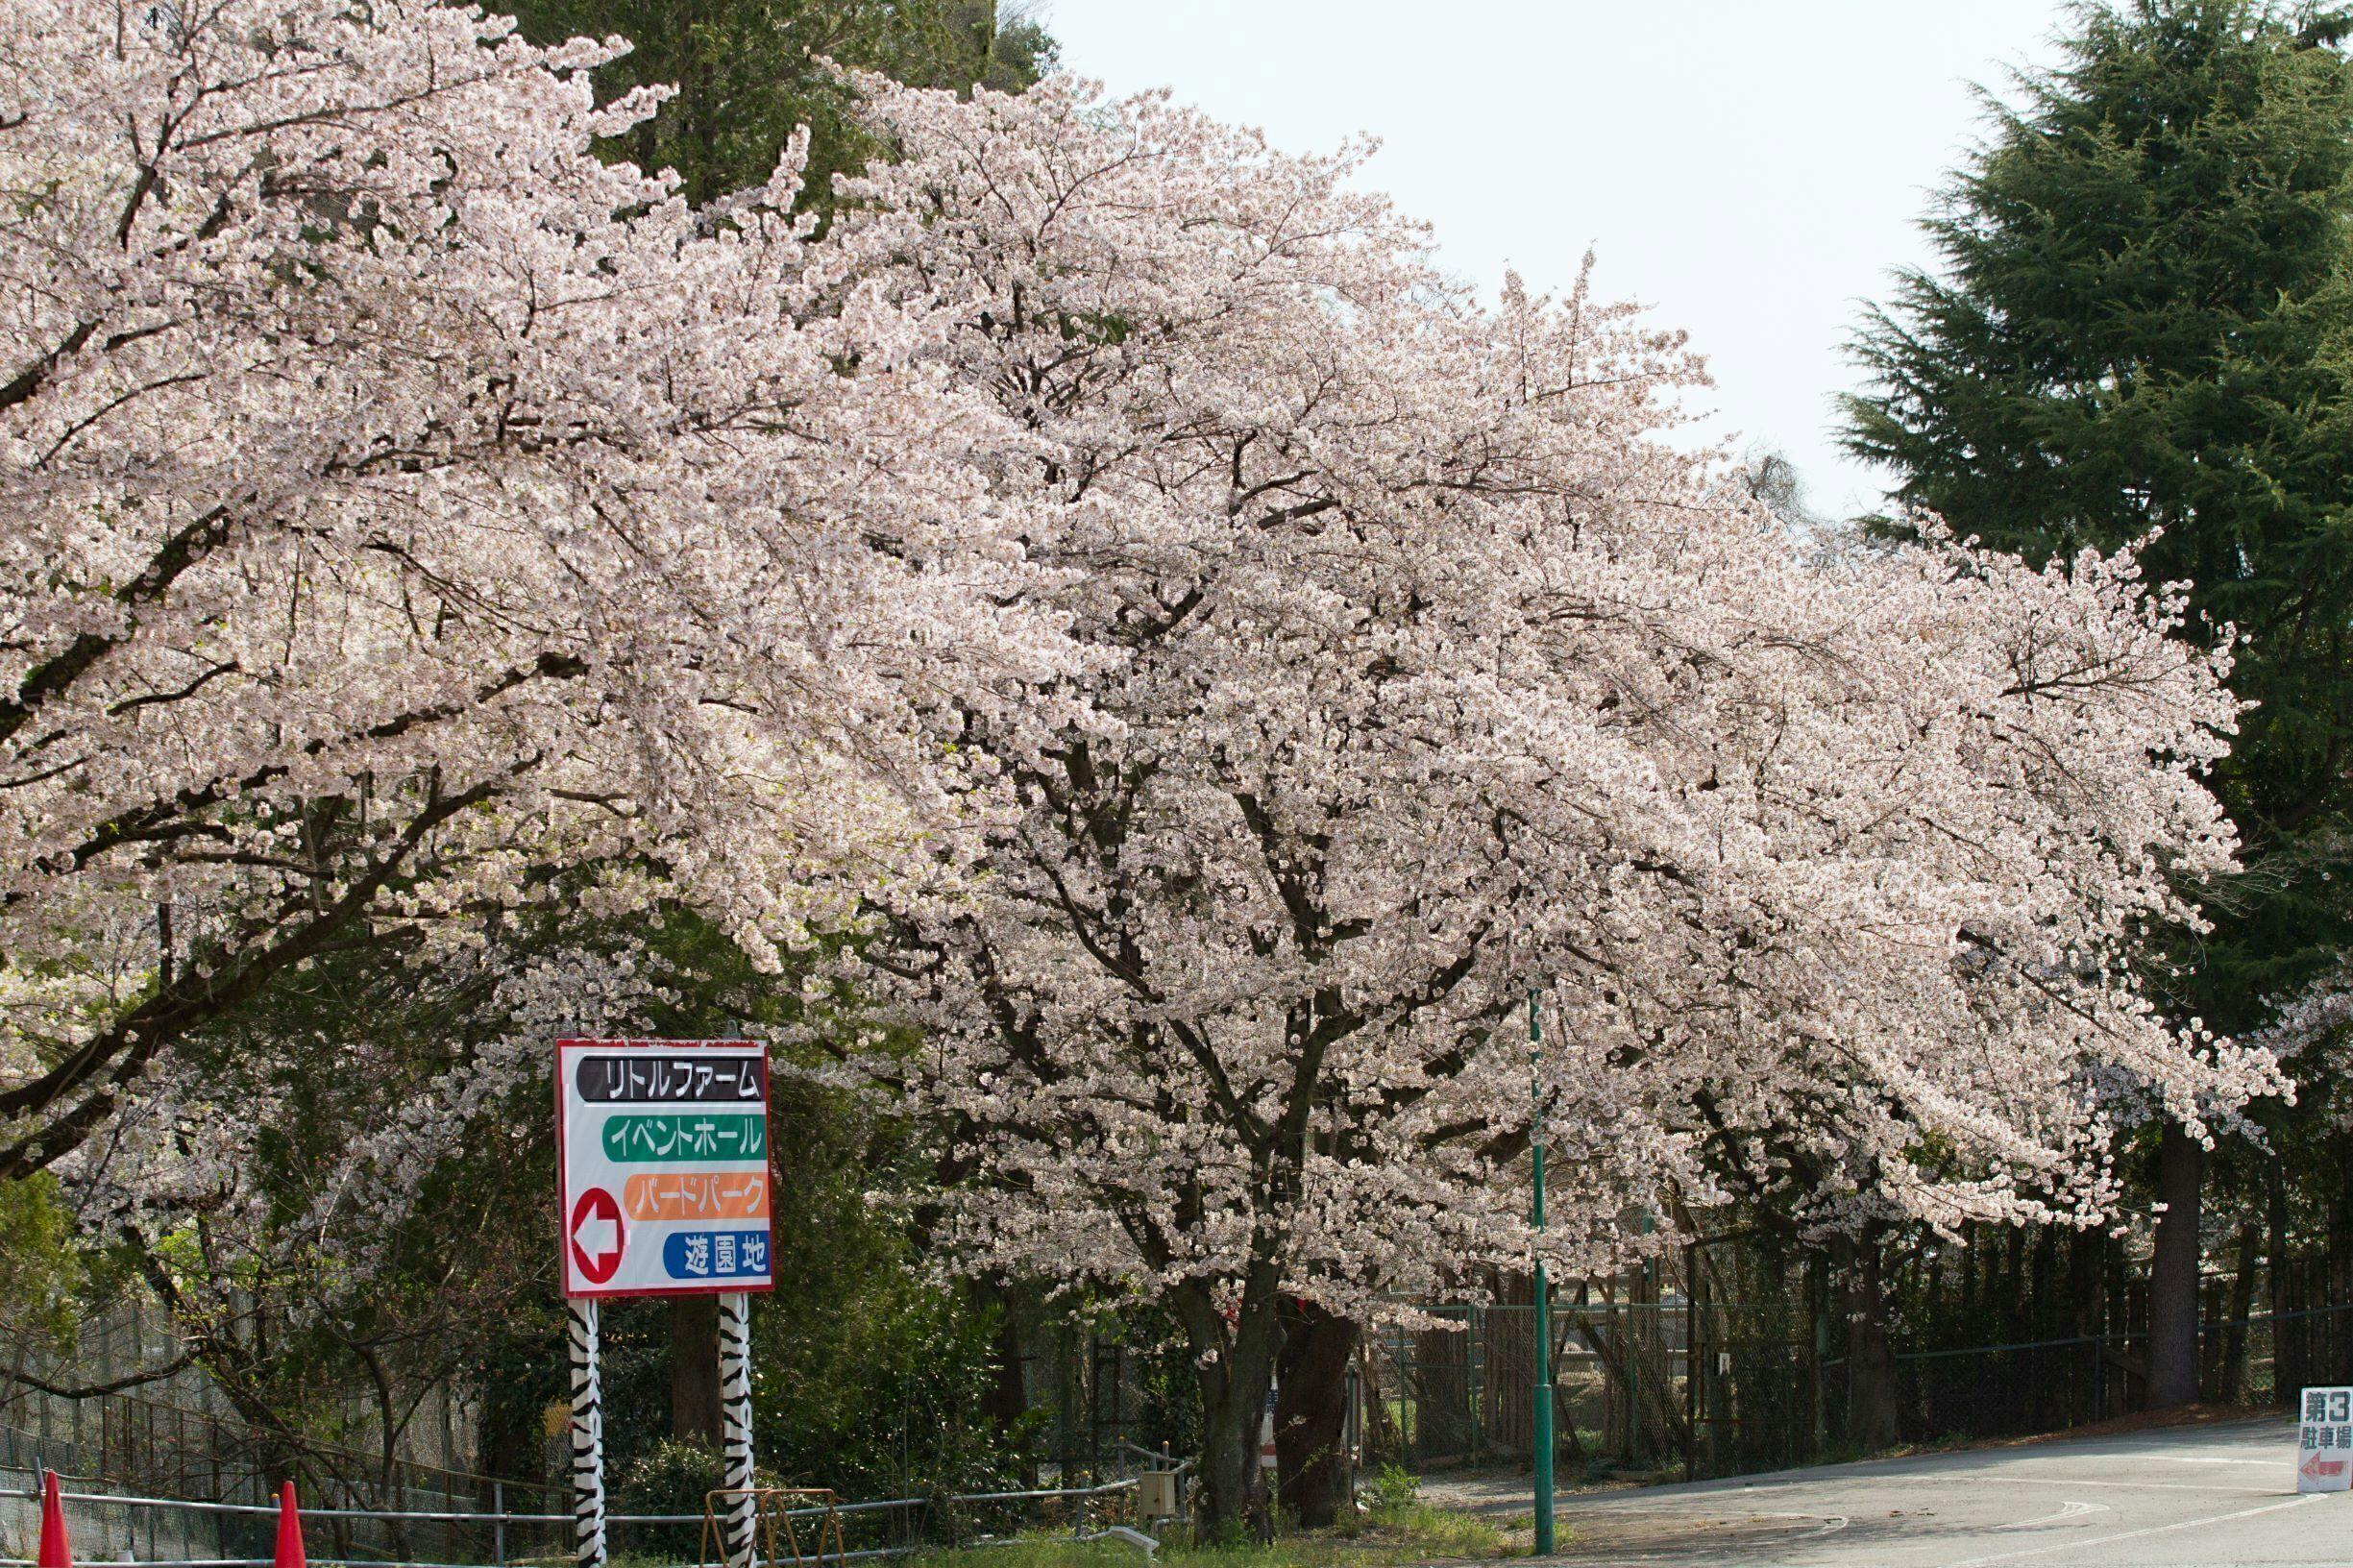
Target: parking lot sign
<point>2324,1440</point>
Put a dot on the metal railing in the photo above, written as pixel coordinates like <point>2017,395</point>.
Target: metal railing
<point>498,1523</point>
<point>166,1447</point>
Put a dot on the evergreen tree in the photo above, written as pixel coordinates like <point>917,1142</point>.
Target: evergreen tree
<point>748,72</point>
<point>2142,323</point>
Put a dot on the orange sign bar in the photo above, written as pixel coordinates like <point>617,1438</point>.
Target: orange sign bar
<point>689,1195</point>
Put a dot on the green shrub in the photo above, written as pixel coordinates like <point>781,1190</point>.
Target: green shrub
<point>672,1477</point>
<point>1395,1489</point>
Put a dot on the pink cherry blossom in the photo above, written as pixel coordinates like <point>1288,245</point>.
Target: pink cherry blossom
<point>399,503</point>
<point>1417,671</point>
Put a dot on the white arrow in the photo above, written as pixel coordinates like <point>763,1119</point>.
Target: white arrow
<point>2067,1511</point>
<point>596,1237</point>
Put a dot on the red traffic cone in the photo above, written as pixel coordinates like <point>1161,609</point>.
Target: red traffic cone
<point>289,1531</point>
<point>55,1553</point>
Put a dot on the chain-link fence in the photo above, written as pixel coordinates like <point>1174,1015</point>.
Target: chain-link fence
<point>1087,1399</point>
<point>1659,1371</point>
<point>2048,1385</point>
<point>1710,1387</point>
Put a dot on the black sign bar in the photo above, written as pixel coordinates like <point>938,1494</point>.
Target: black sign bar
<point>642,1078</point>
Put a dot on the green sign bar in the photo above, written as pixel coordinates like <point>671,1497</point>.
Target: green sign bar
<point>686,1136</point>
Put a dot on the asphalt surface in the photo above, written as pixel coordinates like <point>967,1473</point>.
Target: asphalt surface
<point>2214,1496</point>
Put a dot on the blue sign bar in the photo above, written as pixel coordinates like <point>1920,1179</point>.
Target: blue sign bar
<point>715,1255</point>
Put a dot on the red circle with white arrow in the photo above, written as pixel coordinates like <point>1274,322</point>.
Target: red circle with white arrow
<point>596,1235</point>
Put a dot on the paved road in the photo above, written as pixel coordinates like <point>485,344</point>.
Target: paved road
<point>2213,1497</point>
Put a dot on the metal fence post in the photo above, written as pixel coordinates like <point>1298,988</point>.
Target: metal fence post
<point>497,1523</point>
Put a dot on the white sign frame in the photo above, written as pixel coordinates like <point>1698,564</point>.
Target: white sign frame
<point>667,1082</point>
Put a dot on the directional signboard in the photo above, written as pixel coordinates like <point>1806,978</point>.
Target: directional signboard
<point>663,1145</point>
<point>2324,1440</point>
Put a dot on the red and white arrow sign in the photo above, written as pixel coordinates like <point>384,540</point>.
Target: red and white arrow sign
<point>596,1234</point>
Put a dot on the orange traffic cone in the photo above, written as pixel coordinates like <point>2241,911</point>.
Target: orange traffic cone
<point>55,1553</point>
<point>289,1531</point>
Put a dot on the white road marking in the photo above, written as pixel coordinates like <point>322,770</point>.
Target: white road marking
<point>2067,1511</point>
<point>1979,1478</point>
<point>2136,1535</point>
<point>1680,1501</point>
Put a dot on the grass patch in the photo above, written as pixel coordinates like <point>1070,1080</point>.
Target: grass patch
<point>1420,1531</point>
<point>1389,1536</point>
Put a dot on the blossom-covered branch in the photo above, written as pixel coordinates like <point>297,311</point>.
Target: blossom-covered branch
<point>400,503</point>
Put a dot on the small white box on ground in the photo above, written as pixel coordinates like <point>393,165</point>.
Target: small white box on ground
<point>1156,1494</point>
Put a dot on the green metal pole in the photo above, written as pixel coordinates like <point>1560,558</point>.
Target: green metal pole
<point>1542,1425</point>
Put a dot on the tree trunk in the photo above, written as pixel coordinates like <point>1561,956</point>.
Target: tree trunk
<point>1311,1414</point>
<point>509,1442</point>
<point>694,1370</point>
<point>1873,1417</point>
<point>2287,1366</point>
<point>2172,1275</point>
<point>2085,1250</point>
<point>2017,1322</point>
<point>1968,1278</point>
<point>2339,1222</point>
<point>1229,1474</point>
<point>1237,1369</point>
<point>1008,1387</point>
<point>2046,1395</point>
<point>2233,1383</point>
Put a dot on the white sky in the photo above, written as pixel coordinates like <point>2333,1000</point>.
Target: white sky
<point>1750,169</point>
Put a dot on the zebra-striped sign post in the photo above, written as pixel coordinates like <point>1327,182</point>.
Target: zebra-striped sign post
<point>587,1434</point>
<point>735,1425</point>
<point>663,1149</point>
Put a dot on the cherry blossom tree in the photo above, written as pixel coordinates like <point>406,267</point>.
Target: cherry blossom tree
<point>1414,670</point>
<point>397,504</point>
<point>1238,666</point>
